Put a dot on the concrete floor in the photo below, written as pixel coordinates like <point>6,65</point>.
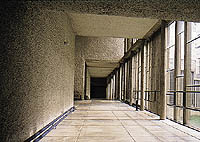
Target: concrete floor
<point>113,121</point>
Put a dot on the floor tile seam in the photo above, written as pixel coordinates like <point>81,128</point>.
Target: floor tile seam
<point>94,116</point>
<point>61,136</point>
<point>172,127</point>
<point>128,115</point>
<point>110,119</point>
<point>182,132</point>
<point>100,110</point>
<point>145,118</point>
<point>100,125</point>
<point>80,132</point>
<point>149,116</point>
<point>102,136</point>
<point>97,119</point>
<point>126,130</point>
<point>149,131</point>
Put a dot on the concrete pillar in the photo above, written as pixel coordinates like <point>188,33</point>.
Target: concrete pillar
<point>88,83</point>
<point>131,80</point>
<point>108,91</point>
<point>120,83</point>
<point>187,73</point>
<point>138,75</point>
<point>145,72</point>
<point>150,81</point>
<point>128,81</point>
<point>111,89</point>
<point>125,46</point>
<point>142,79</point>
<point>84,83</point>
<point>153,75</point>
<point>114,87</point>
<point>124,83</point>
<point>177,71</point>
<point>125,79</point>
<point>162,74</point>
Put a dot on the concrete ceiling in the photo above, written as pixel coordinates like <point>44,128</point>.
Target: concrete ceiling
<point>186,10</point>
<point>100,68</point>
<point>110,26</point>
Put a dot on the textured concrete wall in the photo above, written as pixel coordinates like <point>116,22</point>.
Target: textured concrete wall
<point>94,48</point>
<point>37,69</point>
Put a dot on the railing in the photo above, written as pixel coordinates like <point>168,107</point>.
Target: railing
<point>52,125</point>
<point>189,107</point>
<point>147,96</point>
<point>137,98</point>
<point>151,102</point>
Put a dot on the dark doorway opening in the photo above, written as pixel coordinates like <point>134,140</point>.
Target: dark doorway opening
<point>98,88</point>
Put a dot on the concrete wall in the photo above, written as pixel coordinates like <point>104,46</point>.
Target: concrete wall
<point>94,48</point>
<point>37,69</point>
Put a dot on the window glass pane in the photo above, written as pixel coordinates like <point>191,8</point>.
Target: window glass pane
<point>194,119</point>
<point>171,35</point>
<point>195,59</point>
<point>171,57</point>
<point>181,44</point>
<point>180,27</point>
<point>194,30</point>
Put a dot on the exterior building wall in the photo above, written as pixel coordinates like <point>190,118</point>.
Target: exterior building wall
<point>37,69</point>
<point>94,48</point>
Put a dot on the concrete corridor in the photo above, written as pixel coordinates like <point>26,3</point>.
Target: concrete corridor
<point>113,121</point>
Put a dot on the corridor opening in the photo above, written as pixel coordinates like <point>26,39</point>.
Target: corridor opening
<point>98,88</point>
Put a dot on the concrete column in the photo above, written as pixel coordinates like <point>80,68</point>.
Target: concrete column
<point>83,92</point>
<point>162,74</point>
<point>142,79</point>
<point>111,86</point>
<point>187,73</point>
<point>114,86</point>
<point>125,46</point>
<point>108,91</point>
<point>131,81</point>
<point>138,75</point>
<point>150,83</point>
<point>147,72</point>
<point>125,81</point>
<point>153,75</point>
<point>120,83</point>
<point>177,70</point>
<point>88,85</point>
<point>136,78</point>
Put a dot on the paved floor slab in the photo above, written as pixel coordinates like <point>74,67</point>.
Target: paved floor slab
<point>113,121</point>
